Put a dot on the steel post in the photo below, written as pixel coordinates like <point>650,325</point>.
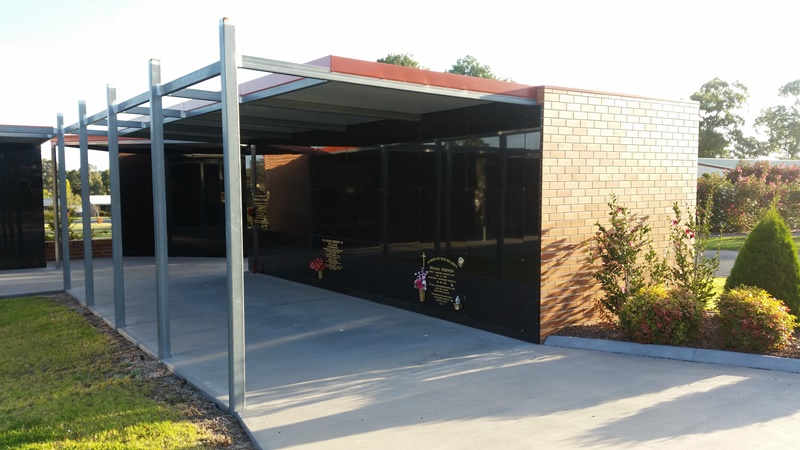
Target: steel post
<point>233,215</point>
<point>159,210</point>
<point>63,207</point>
<point>116,209</point>
<point>86,206</point>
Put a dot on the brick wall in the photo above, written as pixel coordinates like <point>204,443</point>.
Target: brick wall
<point>101,248</point>
<point>595,144</point>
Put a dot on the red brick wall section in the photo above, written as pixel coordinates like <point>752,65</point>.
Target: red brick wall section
<point>101,248</point>
<point>594,145</point>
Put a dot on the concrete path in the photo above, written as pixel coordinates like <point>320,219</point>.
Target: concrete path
<point>328,371</point>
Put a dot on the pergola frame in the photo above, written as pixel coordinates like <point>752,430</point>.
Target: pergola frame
<point>227,102</point>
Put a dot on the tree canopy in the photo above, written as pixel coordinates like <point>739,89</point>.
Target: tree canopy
<point>721,133</point>
<point>99,182</point>
<point>471,67</point>
<point>782,124</point>
<point>401,59</point>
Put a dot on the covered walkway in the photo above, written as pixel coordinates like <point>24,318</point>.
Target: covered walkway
<point>329,371</point>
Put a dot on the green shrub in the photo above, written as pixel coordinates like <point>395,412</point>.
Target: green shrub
<point>690,269</point>
<point>627,260</point>
<point>753,321</point>
<point>656,315</point>
<point>768,259</point>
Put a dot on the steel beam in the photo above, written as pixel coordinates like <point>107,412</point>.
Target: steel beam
<point>133,102</point>
<point>159,211</point>
<point>94,118</point>
<point>233,216</point>
<point>197,94</point>
<point>62,204</point>
<point>198,76</point>
<point>125,123</point>
<point>164,112</point>
<point>86,206</point>
<point>116,209</point>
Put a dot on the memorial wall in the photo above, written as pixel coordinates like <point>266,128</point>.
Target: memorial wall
<point>449,228</point>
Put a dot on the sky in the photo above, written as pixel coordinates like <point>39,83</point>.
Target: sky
<point>58,52</point>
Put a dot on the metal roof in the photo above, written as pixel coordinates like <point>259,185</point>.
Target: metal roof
<point>305,104</point>
<point>22,134</point>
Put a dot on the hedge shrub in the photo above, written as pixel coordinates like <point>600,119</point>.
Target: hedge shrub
<point>753,321</point>
<point>768,259</point>
<point>657,315</point>
<point>744,194</point>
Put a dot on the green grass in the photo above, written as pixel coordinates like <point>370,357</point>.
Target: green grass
<point>60,389</point>
<point>734,242</point>
<point>99,230</point>
<point>719,285</point>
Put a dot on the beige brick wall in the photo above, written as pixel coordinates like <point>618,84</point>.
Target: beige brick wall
<point>594,145</point>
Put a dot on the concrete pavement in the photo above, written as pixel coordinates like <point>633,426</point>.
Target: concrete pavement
<point>328,371</point>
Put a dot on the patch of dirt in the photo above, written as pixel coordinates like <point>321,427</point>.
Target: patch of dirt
<point>224,429</point>
<point>709,337</point>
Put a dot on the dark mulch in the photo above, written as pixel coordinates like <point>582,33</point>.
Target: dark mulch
<point>709,337</point>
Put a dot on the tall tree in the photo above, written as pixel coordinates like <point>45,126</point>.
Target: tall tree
<point>470,66</point>
<point>720,125</point>
<point>401,59</point>
<point>47,177</point>
<point>106,177</point>
<point>782,124</point>
<point>74,178</point>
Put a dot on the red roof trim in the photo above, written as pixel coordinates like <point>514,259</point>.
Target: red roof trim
<point>429,77</point>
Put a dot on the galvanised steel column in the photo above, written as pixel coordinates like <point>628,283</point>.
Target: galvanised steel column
<point>233,215</point>
<point>116,209</point>
<point>86,206</point>
<point>63,207</point>
<point>159,209</point>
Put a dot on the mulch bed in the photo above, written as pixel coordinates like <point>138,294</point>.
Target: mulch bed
<point>709,337</point>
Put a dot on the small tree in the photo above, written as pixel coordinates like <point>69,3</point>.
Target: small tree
<point>624,268</point>
<point>768,259</point>
<point>692,271</point>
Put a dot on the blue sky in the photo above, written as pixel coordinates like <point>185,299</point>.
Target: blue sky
<point>58,52</point>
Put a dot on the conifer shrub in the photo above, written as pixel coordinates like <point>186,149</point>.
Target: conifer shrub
<point>657,315</point>
<point>768,259</point>
<point>753,321</point>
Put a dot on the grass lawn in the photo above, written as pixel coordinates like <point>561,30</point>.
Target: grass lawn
<point>734,242</point>
<point>99,230</point>
<point>59,388</point>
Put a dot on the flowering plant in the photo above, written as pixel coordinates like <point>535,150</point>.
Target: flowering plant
<point>317,264</point>
<point>627,259</point>
<point>691,270</point>
<point>421,282</point>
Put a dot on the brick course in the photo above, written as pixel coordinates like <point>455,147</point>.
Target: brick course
<point>101,248</point>
<point>594,145</point>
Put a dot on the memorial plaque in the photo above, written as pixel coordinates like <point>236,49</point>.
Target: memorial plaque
<point>333,254</point>
<point>442,283</point>
<point>261,202</point>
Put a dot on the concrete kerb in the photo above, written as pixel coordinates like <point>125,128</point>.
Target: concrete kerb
<point>678,353</point>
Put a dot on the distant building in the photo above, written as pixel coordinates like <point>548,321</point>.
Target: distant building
<point>719,165</point>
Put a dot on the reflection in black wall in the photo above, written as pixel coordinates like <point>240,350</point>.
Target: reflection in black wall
<point>195,208</point>
<point>378,211</point>
<point>21,213</point>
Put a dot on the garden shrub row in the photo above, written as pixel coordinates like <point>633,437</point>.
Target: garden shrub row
<point>662,301</point>
<point>742,195</point>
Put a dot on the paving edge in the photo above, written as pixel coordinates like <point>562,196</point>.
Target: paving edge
<point>678,353</point>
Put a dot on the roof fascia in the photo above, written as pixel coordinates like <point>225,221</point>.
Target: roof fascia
<point>323,73</point>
